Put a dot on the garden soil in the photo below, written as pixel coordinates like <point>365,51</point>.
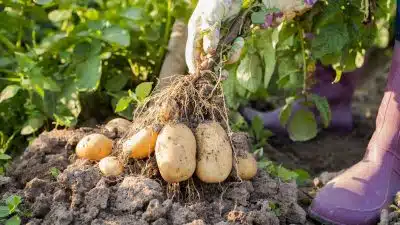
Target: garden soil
<point>77,193</point>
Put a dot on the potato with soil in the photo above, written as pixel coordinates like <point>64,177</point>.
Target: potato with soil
<point>245,165</point>
<point>94,147</point>
<point>142,144</point>
<point>118,125</point>
<point>176,153</point>
<point>111,166</point>
<point>214,153</point>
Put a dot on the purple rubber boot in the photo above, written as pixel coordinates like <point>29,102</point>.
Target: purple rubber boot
<point>361,192</point>
<point>338,95</point>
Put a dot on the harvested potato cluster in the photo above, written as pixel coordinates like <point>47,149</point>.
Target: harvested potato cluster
<point>180,152</point>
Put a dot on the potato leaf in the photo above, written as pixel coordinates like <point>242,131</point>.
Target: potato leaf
<point>143,90</point>
<point>302,126</point>
<point>249,72</point>
<point>33,124</point>
<point>9,92</point>
<point>323,107</point>
<point>60,15</point>
<point>4,211</point>
<point>123,103</point>
<point>15,220</point>
<point>117,35</point>
<point>4,157</point>
<point>89,74</point>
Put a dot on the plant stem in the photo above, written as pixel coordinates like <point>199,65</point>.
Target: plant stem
<point>7,43</point>
<point>303,53</point>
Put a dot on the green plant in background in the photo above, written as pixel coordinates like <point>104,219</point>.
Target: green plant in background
<point>281,61</point>
<point>64,62</point>
<point>9,211</point>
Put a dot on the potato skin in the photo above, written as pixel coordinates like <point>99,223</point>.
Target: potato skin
<point>214,153</point>
<point>176,153</point>
<point>111,166</point>
<point>246,166</point>
<point>118,125</point>
<point>94,147</point>
<point>142,144</point>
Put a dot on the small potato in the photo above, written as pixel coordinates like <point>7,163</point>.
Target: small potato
<point>176,153</point>
<point>246,166</point>
<point>142,144</point>
<point>119,125</point>
<point>214,153</point>
<point>111,166</point>
<point>94,147</point>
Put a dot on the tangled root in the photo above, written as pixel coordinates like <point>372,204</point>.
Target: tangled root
<point>190,99</point>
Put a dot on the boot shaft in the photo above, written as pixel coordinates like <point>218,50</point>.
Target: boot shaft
<point>386,136</point>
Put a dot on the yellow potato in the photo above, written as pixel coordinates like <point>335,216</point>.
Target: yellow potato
<point>142,144</point>
<point>176,153</point>
<point>214,153</point>
<point>94,147</point>
<point>111,166</point>
<point>119,125</point>
<point>246,166</point>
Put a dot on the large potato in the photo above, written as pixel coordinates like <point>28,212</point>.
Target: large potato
<point>142,144</point>
<point>94,147</point>
<point>214,153</point>
<point>176,153</point>
<point>246,166</point>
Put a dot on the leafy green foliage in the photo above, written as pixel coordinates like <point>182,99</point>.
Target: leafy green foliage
<point>9,211</point>
<point>54,172</point>
<point>335,33</point>
<point>63,62</point>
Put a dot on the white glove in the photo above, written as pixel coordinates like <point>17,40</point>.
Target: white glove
<point>204,27</point>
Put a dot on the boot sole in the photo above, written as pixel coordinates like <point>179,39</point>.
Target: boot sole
<point>321,219</point>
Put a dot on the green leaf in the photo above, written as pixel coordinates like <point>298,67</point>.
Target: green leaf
<point>4,211</point>
<point>4,156</point>
<point>54,172</point>
<point>117,35</point>
<point>33,124</point>
<point>143,90</point>
<point>43,2</point>
<point>331,39</point>
<point>322,105</point>
<point>41,82</point>
<point>302,176</point>
<point>116,82</point>
<point>285,113</point>
<point>268,54</point>
<point>133,13</point>
<point>257,125</point>
<point>285,174</point>
<point>258,17</point>
<point>123,104</point>
<point>9,92</point>
<point>60,15</point>
<point>229,87</point>
<point>249,72</point>
<point>89,74</point>
<point>13,202</point>
<point>15,220</point>
<point>302,126</point>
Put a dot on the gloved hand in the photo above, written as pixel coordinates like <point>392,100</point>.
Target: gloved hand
<point>204,27</point>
